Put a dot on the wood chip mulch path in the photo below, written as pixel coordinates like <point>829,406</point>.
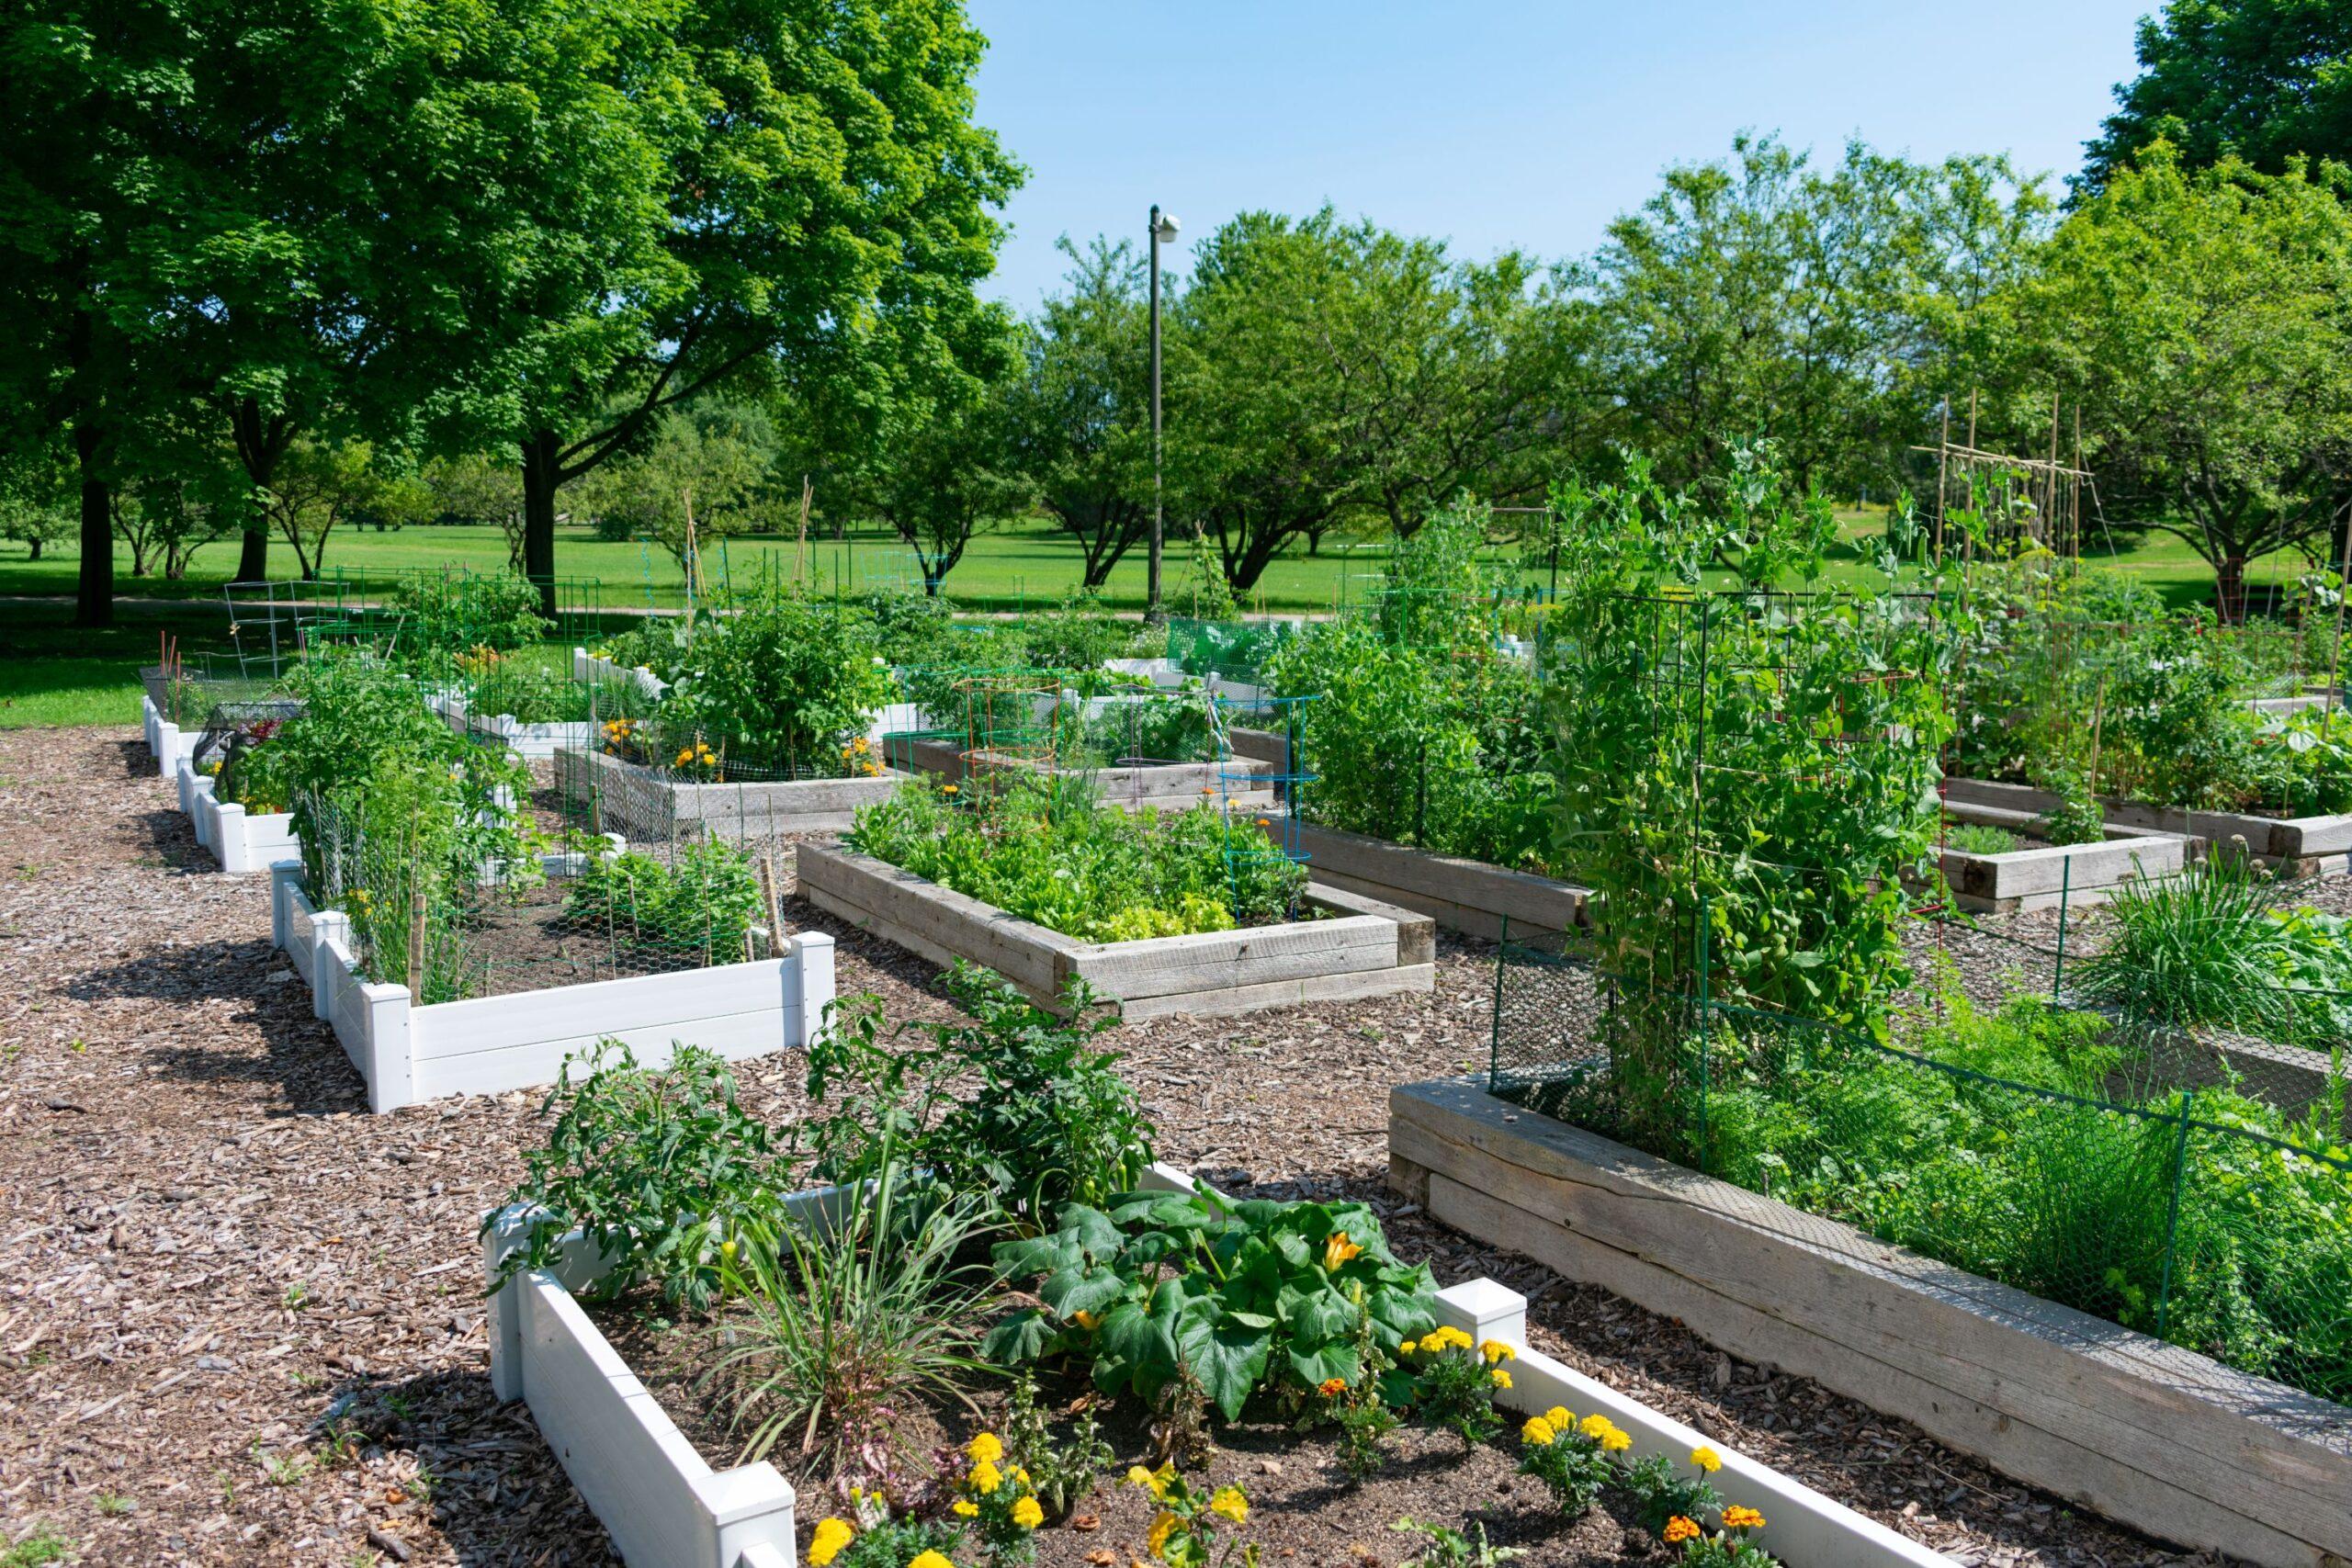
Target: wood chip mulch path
<point>240,1319</point>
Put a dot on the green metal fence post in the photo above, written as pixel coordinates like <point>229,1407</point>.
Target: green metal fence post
<point>2172,1216</point>
<point>1494,1009</point>
<point>2065,884</point>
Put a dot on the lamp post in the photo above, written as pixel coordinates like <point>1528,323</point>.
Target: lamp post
<point>1163,228</point>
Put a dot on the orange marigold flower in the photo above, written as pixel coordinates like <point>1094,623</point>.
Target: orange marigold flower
<point>1738,1518</point>
<point>1331,1388</point>
<point>1679,1530</point>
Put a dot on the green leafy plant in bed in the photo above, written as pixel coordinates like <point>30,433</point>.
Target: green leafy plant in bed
<point>1238,1297</point>
<point>704,901</point>
<point>1011,1100</point>
<point>1049,853</point>
<point>1978,839</point>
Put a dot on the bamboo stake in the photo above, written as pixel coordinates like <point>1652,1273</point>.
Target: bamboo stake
<point>800,544</point>
<point>1943,464</point>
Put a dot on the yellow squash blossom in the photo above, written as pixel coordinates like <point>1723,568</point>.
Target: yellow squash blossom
<point>984,1449</point>
<point>1027,1514</point>
<point>827,1544</point>
<point>1232,1503</point>
<point>1706,1459</point>
<point>1338,1249</point>
<point>1084,1319</point>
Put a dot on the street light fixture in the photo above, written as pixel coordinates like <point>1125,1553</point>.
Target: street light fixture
<point>1163,231</point>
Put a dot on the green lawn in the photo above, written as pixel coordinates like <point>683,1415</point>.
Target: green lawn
<point>53,675</point>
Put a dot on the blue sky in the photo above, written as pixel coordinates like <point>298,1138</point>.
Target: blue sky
<point>1497,124</point>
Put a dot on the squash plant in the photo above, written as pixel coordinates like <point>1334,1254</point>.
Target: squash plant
<point>1238,1297</point>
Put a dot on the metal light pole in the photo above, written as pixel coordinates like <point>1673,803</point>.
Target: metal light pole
<point>1163,228</point>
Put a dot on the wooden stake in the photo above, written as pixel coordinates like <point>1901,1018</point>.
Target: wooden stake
<point>775,905</point>
<point>801,545</point>
<point>1943,463</point>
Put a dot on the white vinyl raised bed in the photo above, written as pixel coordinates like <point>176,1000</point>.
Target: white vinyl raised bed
<point>409,1053</point>
<point>666,1507</point>
<point>165,739</point>
<point>533,742</point>
<point>243,841</point>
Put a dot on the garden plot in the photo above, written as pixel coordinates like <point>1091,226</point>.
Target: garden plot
<point>244,842</point>
<point>646,1459</point>
<point>2006,865</point>
<point>498,1000</point>
<point>2136,1427</point>
<point>1244,782</point>
<point>1460,895</point>
<point>615,794</point>
<point>1361,947</point>
<point>2293,846</point>
<point>532,740</point>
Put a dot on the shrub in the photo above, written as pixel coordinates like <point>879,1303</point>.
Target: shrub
<point>1013,1103</point>
<point>659,1168</point>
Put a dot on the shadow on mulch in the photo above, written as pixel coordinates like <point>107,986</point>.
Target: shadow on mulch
<point>138,762</point>
<point>172,839</point>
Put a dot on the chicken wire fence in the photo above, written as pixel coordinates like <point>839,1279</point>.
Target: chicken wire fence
<point>460,910</point>
<point>2112,1166</point>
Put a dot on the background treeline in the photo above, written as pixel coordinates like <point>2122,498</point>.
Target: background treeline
<point>684,272</point>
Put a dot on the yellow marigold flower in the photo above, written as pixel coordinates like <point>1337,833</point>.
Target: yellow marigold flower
<point>1338,1249</point>
<point>929,1560</point>
<point>1408,1347</point>
<point>1495,1350</point>
<point>1616,1441</point>
<point>827,1544</point>
<point>1233,1503</point>
<point>1738,1518</point>
<point>1021,1475</point>
<point>1594,1425</point>
<point>1538,1433</point>
<point>1560,1419</point>
<point>984,1449</point>
<point>860,743</point>
<point>967,1509</point>
<point>948,789</point>
<point>1706,1459</point>
<point>1679,1530</point>
<point>1502,1378</point>
<point>1027,1514</point>
<point>985,1477</point>
<point>1162,1528</point>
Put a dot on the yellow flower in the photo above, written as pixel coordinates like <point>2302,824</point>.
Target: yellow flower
<point>1706,1459</point>
<point>1594,1425</point>
<point>947,789</point>
<point>1027,1514</point>
<point>1338,1249</point>
<point>1162,1528</point>
<point>1495,1350</point>
<point>860,743</point>
<point>1537,1433</point>
<point>985,1477</point>
<point>1502,1378</point>
<point>967,1509</point>
<point>684,757</point>
<point>1559,1419</point>
<point>1021,1475</point>
<point>1616,1441</point>
<point>1232,1503</point>
<point>1738,1518</point>
<point>1138,1476</point>
<point>984,1449</point>
<point>1679,1530</point>
<point>1084,1319</point>
<point>929,1560</point>
<point>827,1544</point>
<point>1408,1347</point>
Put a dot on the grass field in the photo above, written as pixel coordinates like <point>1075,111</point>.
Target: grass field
<point>53,675</point>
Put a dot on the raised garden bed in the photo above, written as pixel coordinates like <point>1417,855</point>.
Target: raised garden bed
<point>1364,949</point>
<point>633,800</point>
<point>243,841</point>
<point>587,668</point>
<point>533,742</point>
<point>488,1044</point>
<point>665,1504</point>
<point>2297,846</point>
<point>2142,1430</point>
<point>165,740</point>
<point>1243,783</point>
<point>1460,895</point>
<point>2038,874</point>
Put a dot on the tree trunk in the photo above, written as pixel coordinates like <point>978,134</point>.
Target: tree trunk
<point>2229,588</point>
<point>541,474</point>
<point>94,588</point>
<point>35,542</point>
<point>253,555</point>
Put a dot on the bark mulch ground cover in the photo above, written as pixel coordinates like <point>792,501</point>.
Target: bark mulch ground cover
<point>241,1320</point>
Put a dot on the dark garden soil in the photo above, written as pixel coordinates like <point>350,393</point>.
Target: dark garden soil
<point>213,1261</point>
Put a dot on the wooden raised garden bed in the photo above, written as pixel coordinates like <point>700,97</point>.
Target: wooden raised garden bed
<point>666,1507</point>
<point>633,800</point>
<point>1365,948</point>
<point>1460,895</point>
<point>2036,874</point>
<point>2299,846</point>
<point>1242,783</point>
<point>2143,1431</point>
<point>408,1054</point>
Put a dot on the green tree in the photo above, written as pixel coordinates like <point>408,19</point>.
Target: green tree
<point>2203,321</point>
<point>320,485</point>
<point>695,482</point>
<point>1080,415</point>
<point>939,481</point>
<point>38,493</point>
<point>2263,80</point>
<point>813,197</point>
